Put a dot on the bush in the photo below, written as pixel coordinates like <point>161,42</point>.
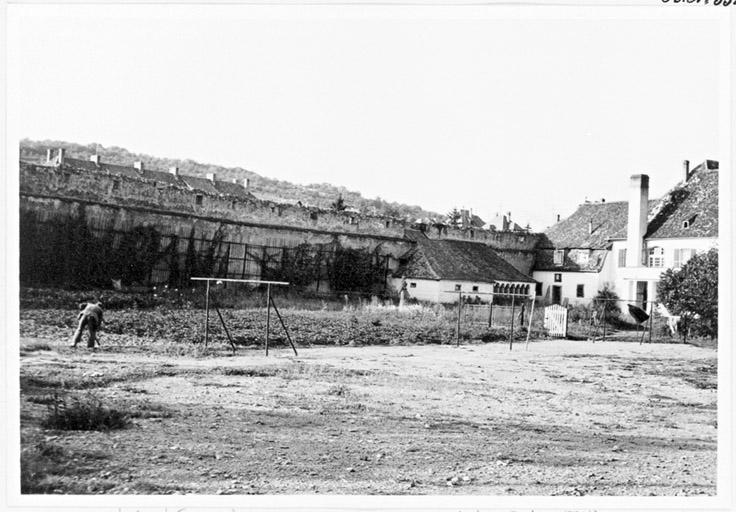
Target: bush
<point>87,413</point>
<point>606,305</point>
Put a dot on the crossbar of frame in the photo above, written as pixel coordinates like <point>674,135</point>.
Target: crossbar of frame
<point>277,283</point>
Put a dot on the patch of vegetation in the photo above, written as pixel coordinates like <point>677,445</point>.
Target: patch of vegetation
<point>84,413</point>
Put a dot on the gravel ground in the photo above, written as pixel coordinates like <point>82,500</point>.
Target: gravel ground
<point>561,418</point>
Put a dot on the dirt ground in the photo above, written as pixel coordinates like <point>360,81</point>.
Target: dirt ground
<point>561,418</point>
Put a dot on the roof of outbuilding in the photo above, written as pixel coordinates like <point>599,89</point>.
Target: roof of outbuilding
<point>88,165</point>
<point>457,260</point>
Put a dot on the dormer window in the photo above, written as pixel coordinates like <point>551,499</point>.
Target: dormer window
<point>685,224</point>
<point>559,257</point>
<point>198,199</point>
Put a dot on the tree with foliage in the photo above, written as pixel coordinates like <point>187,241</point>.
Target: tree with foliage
<point>692,293</point>
<point>338,204</point>
<point>453,217</point>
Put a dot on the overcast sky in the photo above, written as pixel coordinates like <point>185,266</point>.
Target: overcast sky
<point>523,115</point>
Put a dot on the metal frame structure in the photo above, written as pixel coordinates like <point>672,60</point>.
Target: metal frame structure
<point>490,312</point>
<point>269,303</point>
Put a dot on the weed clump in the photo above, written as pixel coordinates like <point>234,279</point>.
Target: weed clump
<point>85,413</point>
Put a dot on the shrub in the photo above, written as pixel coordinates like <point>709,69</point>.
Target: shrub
<point>86,413</point>
<point>606,305</point>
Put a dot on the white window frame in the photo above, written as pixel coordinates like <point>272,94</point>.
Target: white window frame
<point>559,257</point>
<point>656,257</point>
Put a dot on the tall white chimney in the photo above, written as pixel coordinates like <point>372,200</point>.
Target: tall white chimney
<point>95,158</point>
<point>49,155</point>
<point>686,168</point>
<point>246,182</point>
<point>60,158</point>
<point>211,176</point>
<point>138,165</point>
<point>174,170</point>
<point>637,226</point>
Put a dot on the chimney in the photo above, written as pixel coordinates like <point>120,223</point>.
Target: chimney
<point>464,219</point>
<point>246,182</point>
<point>49,155</point>
<point>174,170</point>
<point>637,225</point>
<point>558,217</point>
<point>686,169</point>
<point>138,165</point>
<point>60,158</point>
<point>210,176</point>
<point>590,227</point>
<point>95,158</point>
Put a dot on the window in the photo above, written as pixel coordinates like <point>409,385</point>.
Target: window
<point>472,234</point>
<point>313,215</point>
<point>682,256</point>
<point>475,288</point>
<point>115,185</point>
<point>538,289</point>
<point>458,287</point>
<point>558,278</point>
<point>388,223</point>
<point>559,257</point>
<point>622,257</point>
<point>198,199</point>
<point>580,291</point>
<point>656,257</point>
<point>685,224</point>
<point>412,285</point>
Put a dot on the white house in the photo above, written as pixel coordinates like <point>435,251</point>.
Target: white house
<point>628,244</point>
<point>436,270</point>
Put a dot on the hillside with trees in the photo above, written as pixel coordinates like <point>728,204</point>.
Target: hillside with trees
<point>323,195</point>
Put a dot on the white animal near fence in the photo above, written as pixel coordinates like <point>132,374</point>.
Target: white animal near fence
<point>672,320</point>
<point>555,320</point>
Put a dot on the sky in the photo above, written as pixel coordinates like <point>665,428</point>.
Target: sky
<point>487,112</point>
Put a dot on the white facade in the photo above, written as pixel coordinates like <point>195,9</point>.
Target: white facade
<point>444,291</point>
<point>623,279</point>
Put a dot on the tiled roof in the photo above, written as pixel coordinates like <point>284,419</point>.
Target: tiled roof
<point>161,177</point>
<point>457,260</point>
<point>201,184</point>
<point>88,165</point>
<point>232,189</point>
<point>609,223</point>
<point>572,262</point>
<point>696,202</point>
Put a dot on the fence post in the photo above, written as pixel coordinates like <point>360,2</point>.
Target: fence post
<point>459,310</point>
<point>207,315</point>
<point>513,313</point>
<point>268,314</point>
<point>531,316</point>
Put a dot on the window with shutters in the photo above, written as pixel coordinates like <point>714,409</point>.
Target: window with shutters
<point>622,257</point>
<point>682,256</point>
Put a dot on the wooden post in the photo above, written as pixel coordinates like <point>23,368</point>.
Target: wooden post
<point>651,322</point>
<point>207,315</point>
<point>268,314</point>
<point>513,312</point>
<point>490,313</point>
<point>459,309</point>
<point>531,315</point>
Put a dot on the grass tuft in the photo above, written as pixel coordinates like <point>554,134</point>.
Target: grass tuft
<point>84,413</point>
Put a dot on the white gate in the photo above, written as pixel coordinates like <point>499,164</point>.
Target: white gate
<point>555,320</point>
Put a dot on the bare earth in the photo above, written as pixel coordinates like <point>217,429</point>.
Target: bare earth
<point>564,417</point>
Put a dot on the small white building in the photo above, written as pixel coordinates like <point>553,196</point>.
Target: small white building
<point>627,245</point>
<point>437,270</point>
